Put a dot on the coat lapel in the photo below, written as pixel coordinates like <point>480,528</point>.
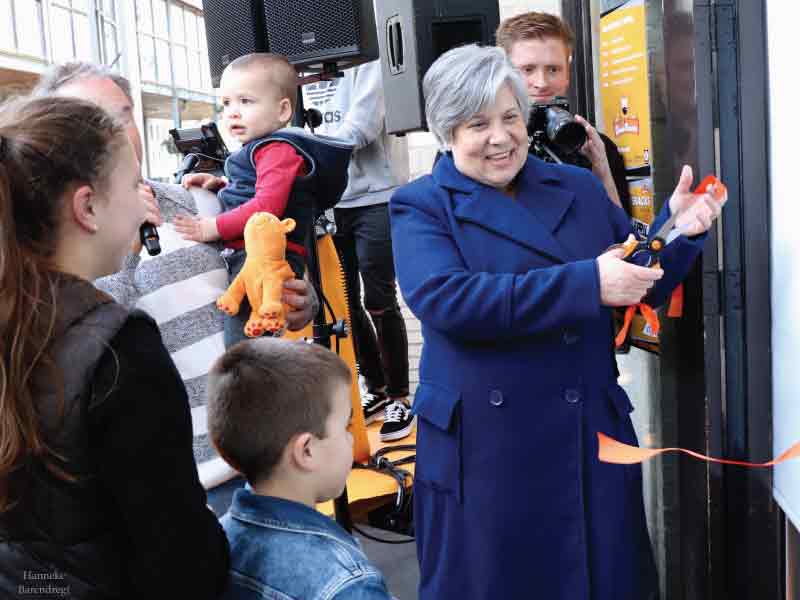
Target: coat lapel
<point>530,219</point>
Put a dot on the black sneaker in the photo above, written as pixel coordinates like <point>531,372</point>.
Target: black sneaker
<point>373,405</point>
<point>398,422</point>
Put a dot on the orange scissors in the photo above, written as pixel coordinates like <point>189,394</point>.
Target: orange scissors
<point>645,252</point>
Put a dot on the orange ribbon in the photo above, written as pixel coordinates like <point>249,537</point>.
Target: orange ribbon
<point>675,309</point>
<point>612,451</point>
<point>649,315</point>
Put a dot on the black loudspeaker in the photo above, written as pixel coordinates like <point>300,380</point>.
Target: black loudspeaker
<point>233,28</point>
<point>414,33</point>
<point>313,32</point>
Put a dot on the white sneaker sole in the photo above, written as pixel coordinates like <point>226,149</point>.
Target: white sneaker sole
<point>400,433</point>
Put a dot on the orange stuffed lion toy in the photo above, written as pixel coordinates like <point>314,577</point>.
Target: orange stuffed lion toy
<point>262,276</point>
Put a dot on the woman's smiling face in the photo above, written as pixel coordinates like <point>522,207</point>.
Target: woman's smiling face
<point>492,146</point>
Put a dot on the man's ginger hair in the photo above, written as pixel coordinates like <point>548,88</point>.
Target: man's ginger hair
<point>534,26</point>
<point>276,68</point>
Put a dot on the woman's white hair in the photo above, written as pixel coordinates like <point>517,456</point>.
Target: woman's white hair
<point>462,82</point>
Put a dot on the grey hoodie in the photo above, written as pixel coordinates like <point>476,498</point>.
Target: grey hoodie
<point>353,109</point>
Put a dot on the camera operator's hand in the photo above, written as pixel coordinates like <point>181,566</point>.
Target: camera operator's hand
<point>152,214</point>
<point>698,212</point>
<point>207,181</point>
<point>198,229</point>
<point>622,283</point>
<point>595,150</point>
<point>299,294</point>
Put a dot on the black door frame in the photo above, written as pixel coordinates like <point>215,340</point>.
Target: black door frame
<point>747,530</point>
<point>717,365</point>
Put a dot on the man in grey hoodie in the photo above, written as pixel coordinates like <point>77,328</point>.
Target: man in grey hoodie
<point>353,109</point>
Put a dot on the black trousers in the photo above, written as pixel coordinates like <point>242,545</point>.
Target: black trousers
<point>364,242</point>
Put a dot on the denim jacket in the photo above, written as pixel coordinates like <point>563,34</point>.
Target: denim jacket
<point>284,550</point>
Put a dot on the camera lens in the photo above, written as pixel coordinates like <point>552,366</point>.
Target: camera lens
<point>564,131</point>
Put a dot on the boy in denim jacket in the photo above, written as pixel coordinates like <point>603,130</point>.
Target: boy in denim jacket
<point>278,412</point>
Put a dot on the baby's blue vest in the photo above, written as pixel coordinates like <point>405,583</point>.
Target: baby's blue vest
<point>326,160</point>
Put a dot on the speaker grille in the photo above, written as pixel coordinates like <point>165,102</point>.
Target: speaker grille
<point>233,28</point>
<point>307,30</point>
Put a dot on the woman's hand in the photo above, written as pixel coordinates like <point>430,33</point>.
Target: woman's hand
<point>207,181</point>
<point>198,229</point>
<point>622,283</point>
<point>698,212</point>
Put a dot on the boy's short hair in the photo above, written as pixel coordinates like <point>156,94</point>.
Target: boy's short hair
<point>263,392</point>
<point>276,68</point>
<point>533,26</point>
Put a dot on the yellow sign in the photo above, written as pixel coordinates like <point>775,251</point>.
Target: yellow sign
<point>624,87</point>
<point>643,209</point>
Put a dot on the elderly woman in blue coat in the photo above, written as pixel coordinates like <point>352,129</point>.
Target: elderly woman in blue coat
<point>504,260</point>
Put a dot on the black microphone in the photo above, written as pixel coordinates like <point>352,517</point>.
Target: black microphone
<point>149,236</point>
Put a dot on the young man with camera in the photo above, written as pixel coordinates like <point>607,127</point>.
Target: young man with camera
<point>540,46</point>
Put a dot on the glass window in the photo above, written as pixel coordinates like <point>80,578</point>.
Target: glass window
<point>110,50</point>
<point>160,18</point>
<point>71,32</point>
<point>147,56</point>
<point>108,33</point>
<point>83,39</point>
<point>6,26</point>
<point>144,16</point>
<point>173,50</point>
<point>204,53</point>
<point>29,27</point>
<point>61,34</point>
<point>195,72</point>
<point>179,66</point>
<point>161,162</point>
<point>191,30</point>
<point>177,29</point>
<point>163,62</point>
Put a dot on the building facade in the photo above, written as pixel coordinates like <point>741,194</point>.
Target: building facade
<point>159,45</point>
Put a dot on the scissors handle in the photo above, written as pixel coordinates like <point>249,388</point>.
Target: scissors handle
<point>641,252</point>
<point>630,246</point>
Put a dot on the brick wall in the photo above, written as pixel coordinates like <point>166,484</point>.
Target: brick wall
<point>421,151</point>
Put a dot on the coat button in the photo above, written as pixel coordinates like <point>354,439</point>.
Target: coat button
<point>570,338</point>
<point>572,395</point>
<point>496,398</point>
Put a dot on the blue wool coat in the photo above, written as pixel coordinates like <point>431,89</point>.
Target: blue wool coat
<point>517,376</point>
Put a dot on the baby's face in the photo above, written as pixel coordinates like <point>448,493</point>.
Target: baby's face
<point>250,105</point>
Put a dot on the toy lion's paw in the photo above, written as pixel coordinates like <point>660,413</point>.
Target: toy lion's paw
<point>258,326</point>
<point>226,306</point>
<point>274,324</point>
<point>255,327</point>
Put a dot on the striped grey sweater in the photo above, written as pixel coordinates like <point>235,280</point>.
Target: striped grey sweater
<point>179,288</point>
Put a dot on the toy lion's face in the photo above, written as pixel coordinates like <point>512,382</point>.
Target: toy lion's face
<point>265,234</point>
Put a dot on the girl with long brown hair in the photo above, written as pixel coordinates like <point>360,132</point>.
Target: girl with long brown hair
<point>99,495</point>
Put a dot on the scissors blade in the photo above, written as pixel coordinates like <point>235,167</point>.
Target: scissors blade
<point>674,235</point>
<point>666,227</point>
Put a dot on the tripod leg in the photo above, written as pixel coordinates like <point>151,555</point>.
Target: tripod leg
<point>334,288</point>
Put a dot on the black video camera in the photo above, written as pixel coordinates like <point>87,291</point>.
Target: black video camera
<point>555,134</point>
<point>202,147</point>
